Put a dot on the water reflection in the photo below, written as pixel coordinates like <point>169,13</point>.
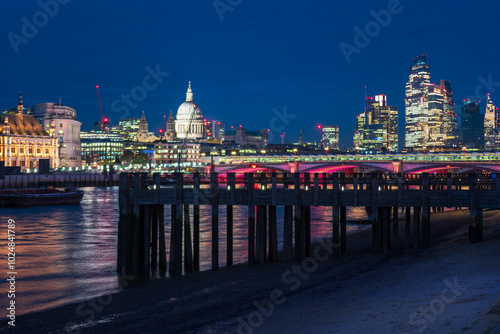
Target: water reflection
<point>68,253</point>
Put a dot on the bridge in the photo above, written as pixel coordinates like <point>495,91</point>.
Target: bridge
<point>360,166</point>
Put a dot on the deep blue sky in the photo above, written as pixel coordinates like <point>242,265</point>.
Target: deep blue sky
<point>263,55</point>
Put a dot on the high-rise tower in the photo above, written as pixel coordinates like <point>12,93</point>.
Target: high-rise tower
<point>430,118</point>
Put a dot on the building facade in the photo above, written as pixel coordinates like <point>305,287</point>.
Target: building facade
<point>170,154</point>
<point>491,126</point>
<point>240,136</point>
<point>67,130</point>
<point>377,127</point>
<point>330,137</point>
<point>472,126</point>
<point>430,118</point>
<point>24,142</point>
<point>100,148</point>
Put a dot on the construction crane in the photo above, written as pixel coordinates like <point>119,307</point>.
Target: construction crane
<point>100,107</point>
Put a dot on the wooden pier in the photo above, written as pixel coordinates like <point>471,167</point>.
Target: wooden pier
<point>58,180</point>
<point>141,230</point>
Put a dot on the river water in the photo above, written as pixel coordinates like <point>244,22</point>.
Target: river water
<point>66,254</point>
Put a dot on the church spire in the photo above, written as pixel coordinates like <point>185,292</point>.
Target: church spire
<point>189,94</point>
<point>20,105</point>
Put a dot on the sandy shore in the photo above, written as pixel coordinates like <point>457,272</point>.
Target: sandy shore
<point>452,287</point>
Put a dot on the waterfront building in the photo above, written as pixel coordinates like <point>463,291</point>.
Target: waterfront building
<point>67,130</point>
<point>430,118</point>
<point>101,147</point>
<point>472,126</point>
<point>377,127</point>
<point>189,122</point>
<point>330,137</point>
<point>24,141</point>
<point>170,154</point>
<point>242,137</point>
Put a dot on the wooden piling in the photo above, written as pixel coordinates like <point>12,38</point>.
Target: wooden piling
<point>251,220</point>
<point>196,222</point>
<point>231,183</point>
<point>299,234</point>
<point>336,214</point>
<point>214,185</point>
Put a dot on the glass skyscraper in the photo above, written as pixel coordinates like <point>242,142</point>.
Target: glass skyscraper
<point>430,118</point>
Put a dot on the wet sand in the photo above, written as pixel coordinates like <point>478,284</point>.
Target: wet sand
<point>402,291</point>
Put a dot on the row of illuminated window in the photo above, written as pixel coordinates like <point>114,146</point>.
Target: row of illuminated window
<point>22,150</point>
<point>172,151</point>
<point>175,156</point>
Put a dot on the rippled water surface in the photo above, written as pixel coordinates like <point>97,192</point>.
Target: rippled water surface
<point>68,253</point>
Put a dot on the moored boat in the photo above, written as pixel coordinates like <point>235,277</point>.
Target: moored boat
<point>39,196</point>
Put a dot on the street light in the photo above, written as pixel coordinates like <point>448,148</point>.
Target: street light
<point>320,136</point>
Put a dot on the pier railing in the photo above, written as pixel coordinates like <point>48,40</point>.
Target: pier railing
<point>141,236</point>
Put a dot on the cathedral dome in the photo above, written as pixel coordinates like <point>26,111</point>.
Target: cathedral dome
<point>189,109</point>
<point>189,122</point>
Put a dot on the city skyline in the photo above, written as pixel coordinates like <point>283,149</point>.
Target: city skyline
<point>302,68</point>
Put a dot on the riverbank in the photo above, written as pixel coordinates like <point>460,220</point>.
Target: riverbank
<point>397,292</point>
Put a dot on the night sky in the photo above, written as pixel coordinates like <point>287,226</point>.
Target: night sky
<point>245,59</point>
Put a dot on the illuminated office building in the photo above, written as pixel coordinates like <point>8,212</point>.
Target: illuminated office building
<point>430,118</point>
<point>330,137</point>
<point>377,128</point>
<point>472,126</point>
<point>491,126</point>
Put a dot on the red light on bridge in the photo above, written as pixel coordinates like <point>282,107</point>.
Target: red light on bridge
<point>253,166</point>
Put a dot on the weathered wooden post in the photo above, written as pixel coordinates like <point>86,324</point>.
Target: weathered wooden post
<point>251,219</point>
<point>214,185</point>
<point>336,214</point>
<point>273,228</point>
<point>299,226</point>
<point>476,231</point>
<point>261,228</point>
<point>306,216</point>
<point>343,229</point>
<point>196,222</point>
<point>287,226</point>
<point>231,184</point>
<point>123,222</point>
<point>176,228</point>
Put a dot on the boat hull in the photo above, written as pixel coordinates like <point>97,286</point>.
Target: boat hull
<point>27,198</point>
